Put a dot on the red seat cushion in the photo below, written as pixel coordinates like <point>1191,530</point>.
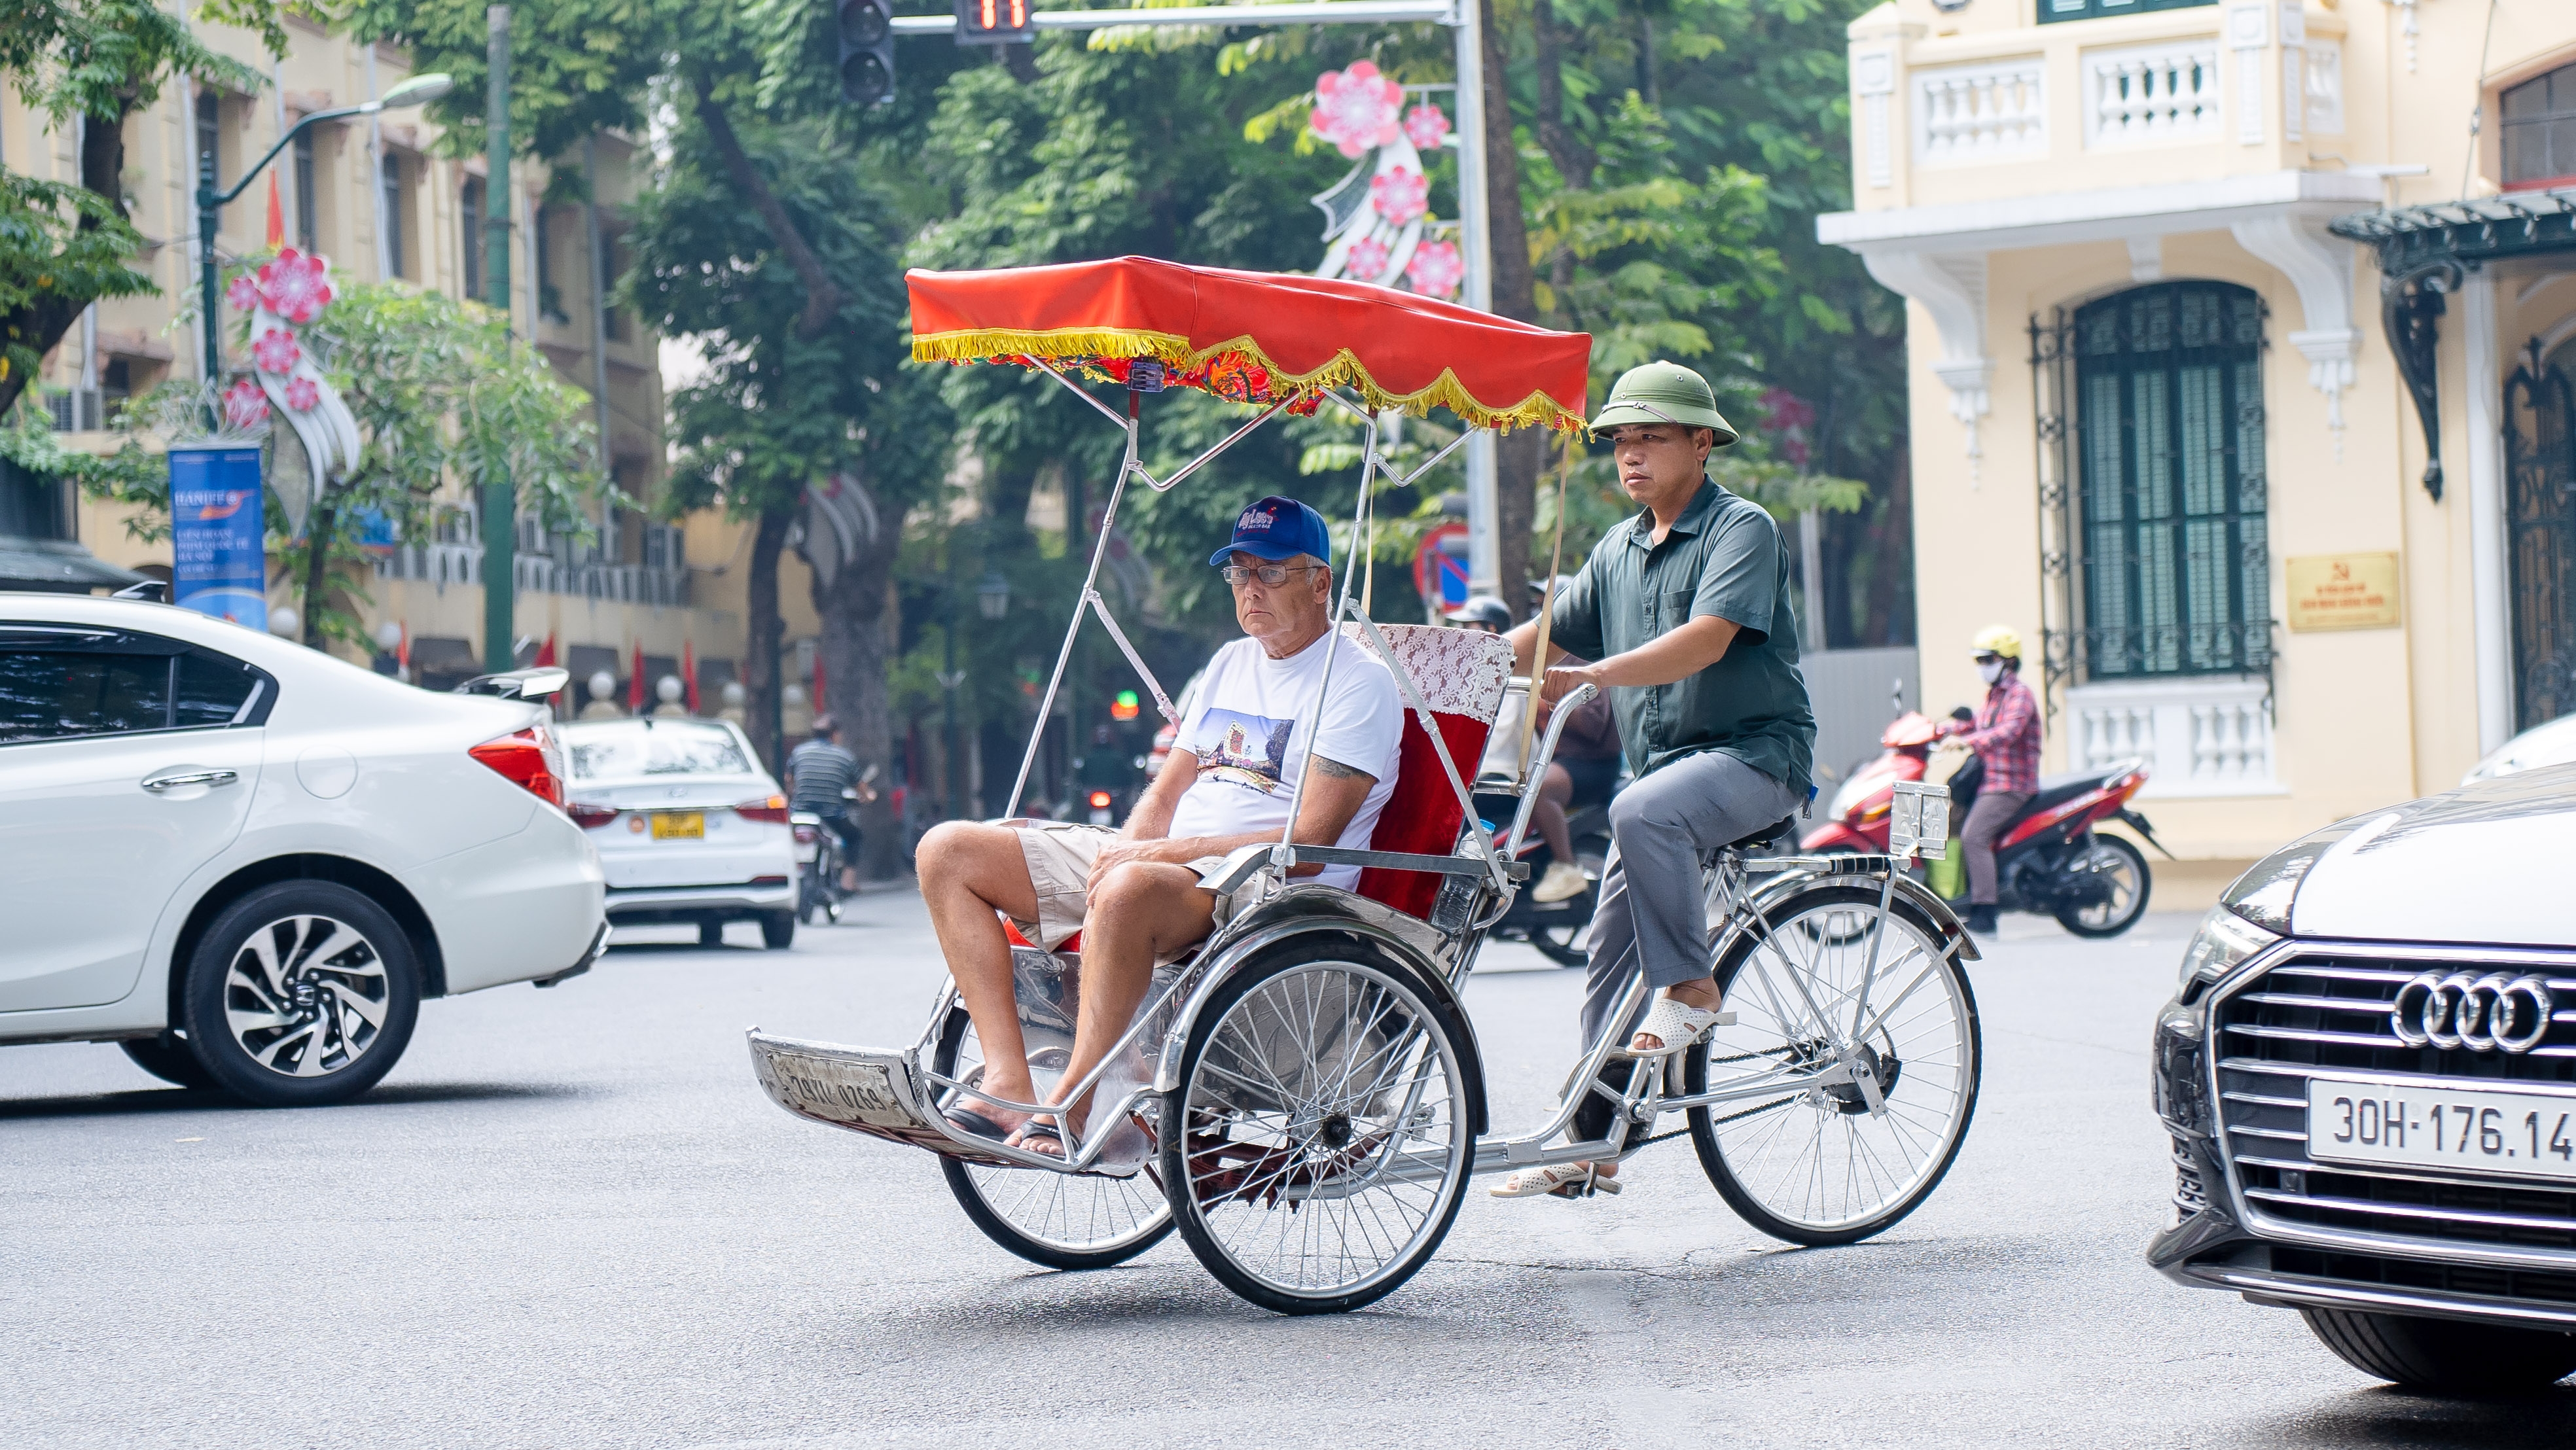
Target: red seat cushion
<point>1422,817</point>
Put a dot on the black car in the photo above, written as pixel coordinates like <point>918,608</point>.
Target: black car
<point>2369,1075</point>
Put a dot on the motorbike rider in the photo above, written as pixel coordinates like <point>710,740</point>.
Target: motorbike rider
<point>2005,734</point>
<point>1686,607</point>
<point>1584,772</point>
<point>818,771</point>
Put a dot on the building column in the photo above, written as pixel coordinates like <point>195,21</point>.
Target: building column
<point>2489,590</point>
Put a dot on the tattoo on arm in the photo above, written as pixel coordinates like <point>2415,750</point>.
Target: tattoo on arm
<point>1339,771</point>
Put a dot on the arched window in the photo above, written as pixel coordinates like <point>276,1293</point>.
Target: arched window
<point>2175,559</point>
<point>2540,130</point>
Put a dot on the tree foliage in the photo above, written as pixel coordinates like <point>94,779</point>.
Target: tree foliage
<point>94,63</point>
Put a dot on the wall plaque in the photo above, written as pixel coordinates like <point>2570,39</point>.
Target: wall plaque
<point>2343,591</point>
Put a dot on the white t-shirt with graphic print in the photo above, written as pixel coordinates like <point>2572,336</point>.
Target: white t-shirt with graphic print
<point>1247,727</point>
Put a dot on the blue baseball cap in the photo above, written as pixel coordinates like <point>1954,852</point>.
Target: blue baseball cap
<point>1277,528</point>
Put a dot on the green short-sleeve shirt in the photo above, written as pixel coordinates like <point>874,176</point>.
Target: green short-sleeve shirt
<point>1724,556</point>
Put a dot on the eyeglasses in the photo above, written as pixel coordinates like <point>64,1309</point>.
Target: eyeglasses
<point>1273,575</point>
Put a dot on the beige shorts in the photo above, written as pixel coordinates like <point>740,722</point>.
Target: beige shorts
<point>1060,855</point>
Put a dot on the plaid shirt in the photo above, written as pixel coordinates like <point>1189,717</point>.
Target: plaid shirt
<point>2007,736</point>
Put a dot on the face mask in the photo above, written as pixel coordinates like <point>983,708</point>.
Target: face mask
<point>1991,671</point>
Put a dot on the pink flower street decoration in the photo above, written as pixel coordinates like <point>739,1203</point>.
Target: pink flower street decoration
<point>276,351</point>
<point>296,285</point>
<point>1400,194</point>
<point>302,394</point>
<point>1789,416</point>
<point>1355,109</point>
<point>1366,260</point>
<point>245,406</point>
<point>1426,126</point>
<point>1436,269</point>
<point>244,293</point>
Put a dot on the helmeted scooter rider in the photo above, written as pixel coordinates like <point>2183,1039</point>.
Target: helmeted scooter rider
<point>1686,608</point>
<point>2006,736</point>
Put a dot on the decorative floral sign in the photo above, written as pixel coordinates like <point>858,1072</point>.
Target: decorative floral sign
<point>283,295</point>
<point>1377,216</point>
<point>1355,109</point>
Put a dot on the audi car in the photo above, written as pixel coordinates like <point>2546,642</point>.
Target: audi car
<point>2369,1076</point>
<point>247,863</point>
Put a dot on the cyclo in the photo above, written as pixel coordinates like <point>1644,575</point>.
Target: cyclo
<point>1303,1097</point>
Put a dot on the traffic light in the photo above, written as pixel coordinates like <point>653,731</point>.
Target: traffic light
<point>1124,706</point>
<point>993,22</point>
<point>867,51</point>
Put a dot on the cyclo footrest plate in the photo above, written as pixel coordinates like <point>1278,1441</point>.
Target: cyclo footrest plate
<point>868,1090</point>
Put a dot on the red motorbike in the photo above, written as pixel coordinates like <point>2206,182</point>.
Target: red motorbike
<point>2049,861</point>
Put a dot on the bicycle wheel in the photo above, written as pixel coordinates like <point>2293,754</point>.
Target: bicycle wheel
<point>1812,1164</point>
<point>1061,1220</point>
<point>1318,1148</point>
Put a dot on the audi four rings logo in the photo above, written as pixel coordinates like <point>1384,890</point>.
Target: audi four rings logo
<point>2482,1014</point>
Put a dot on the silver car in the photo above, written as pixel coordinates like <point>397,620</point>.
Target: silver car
<point>2369,1076</point>
<point>689,828</point>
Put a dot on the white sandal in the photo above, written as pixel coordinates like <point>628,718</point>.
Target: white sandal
<point>1565,1180</point>
<point>1677,1025</point>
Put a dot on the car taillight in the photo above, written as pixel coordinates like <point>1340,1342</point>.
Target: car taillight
<point>1100,800</point>
<point>773,809</point>
<point>590,815</point>
<point>527,757</point>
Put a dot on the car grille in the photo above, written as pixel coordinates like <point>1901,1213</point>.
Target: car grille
<point>2330,1012</point>
<point>2378,1270</point>
<point>2189,1197</point>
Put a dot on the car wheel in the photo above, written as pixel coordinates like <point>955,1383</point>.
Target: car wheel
<point>2449,1356</point>
<point>300,994</point>
<point>777,929</point>
<point>168,1059</point>
<point>711,933</point>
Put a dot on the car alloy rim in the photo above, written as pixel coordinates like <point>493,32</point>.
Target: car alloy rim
<point>306,996</point>
<point>2482,1014</point>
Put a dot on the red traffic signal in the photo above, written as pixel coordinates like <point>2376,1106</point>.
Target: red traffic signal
<point>994,22</point>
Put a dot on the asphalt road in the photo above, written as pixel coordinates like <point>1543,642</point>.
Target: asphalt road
<point>569,1218</point>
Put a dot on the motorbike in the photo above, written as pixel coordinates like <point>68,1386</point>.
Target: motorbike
<point>2049,861</point>
<point>1556,928</point>
<point>1856,821</point>
<point>818,868</point>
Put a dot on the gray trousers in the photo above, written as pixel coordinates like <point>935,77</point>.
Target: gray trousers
<point>1653,904</point>
<point>1993,811</point>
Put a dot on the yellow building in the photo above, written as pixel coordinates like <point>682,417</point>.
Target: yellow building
<point>2237,378</point>
<point>372,195</point>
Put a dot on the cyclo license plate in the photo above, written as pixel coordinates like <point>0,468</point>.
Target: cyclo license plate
<point>2419,1126</point>
<point>679,825</point>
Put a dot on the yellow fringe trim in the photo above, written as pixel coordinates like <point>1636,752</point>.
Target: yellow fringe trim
<point>1343,369</point>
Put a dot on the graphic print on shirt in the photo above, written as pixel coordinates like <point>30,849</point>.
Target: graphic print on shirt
<point>1248,750</point>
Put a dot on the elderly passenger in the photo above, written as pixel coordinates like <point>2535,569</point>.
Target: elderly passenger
<point>1134,894</point>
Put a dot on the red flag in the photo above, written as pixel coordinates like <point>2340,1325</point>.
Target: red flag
<point>545,653</point>
<point>276,216</point>
<point>821,700</point>
<point>635,684</point>
<point>402,651</point>
<point>689,673</point>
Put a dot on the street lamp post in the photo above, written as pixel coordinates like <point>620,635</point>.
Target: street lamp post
<point>418,91</point>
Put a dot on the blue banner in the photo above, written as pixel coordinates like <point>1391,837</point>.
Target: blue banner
<point>218,534</point>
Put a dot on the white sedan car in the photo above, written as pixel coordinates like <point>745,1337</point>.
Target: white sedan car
<point>248,862</point>
<point>691,829</point>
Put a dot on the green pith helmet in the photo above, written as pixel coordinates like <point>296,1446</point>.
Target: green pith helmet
<point>1663,392</point>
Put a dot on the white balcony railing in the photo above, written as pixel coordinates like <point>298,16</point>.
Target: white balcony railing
<point>444,564</point>
<point>2200,735</point>
<point>1985,111</point>
<point>2152,94</point>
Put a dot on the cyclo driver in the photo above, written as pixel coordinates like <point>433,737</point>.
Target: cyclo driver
<point>1686,607</point>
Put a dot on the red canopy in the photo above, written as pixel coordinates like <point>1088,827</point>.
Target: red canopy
<point>1257,336</point>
